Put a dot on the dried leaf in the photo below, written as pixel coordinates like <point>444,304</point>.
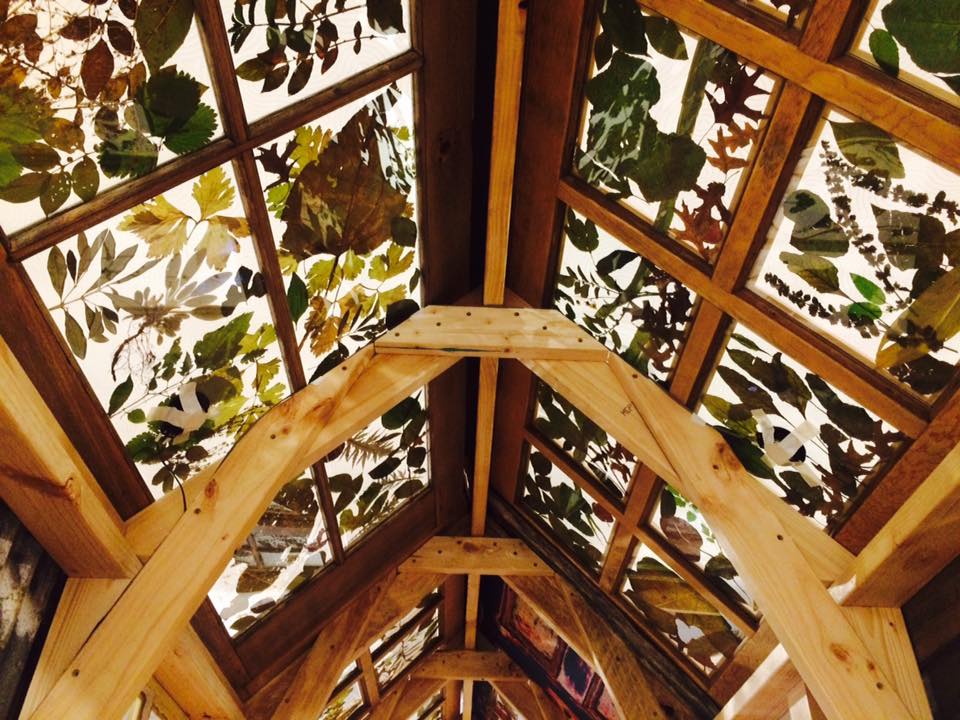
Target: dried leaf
<point>163,226</point>
<point>161,27</point>
<point>96,69</point>
<point>55,193</point>
<point>120,37</point>
<point>81,27</point>
<point>86,179</point>
<point>213,192</point>
<point>57,269</point>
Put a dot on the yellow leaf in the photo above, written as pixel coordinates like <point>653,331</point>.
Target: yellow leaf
<point>163,226</point>
<point>935,313</point>
<point>394,294</point>
<point>218,244</point>
<point>213,192</point>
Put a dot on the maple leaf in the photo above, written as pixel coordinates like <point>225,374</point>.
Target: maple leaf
<point>163,226</point>
<point>213,192</point>
<point>700,228</point>
<point>741,136</point>
<point>342,201</point>
<point>738,88</point>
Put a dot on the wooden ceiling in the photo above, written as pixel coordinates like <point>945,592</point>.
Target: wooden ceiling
<point>489,459</point>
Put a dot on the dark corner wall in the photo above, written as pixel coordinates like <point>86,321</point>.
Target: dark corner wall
<point>30,585</point>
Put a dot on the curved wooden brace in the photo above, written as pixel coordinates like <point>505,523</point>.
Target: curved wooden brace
<point>119,657</point>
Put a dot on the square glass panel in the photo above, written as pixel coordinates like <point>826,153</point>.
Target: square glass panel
<point>342,199</point>
<point>165,311</point>
<point>432,709</point>
<point>394,631</point>
<point>580,524</point>
<point>914,41</point>
<point>866,249</point>
<point>584,442</point>
<point>670,124</point>
<point>380,469</point>
<point>399,656</point>
<point>805,440</point>
<point>92,94</point>
<point>344,704</point>
<point>682,525</point>
<point>288,546</point>
<point>285,51</point>
<point>675,609</point>
<point>622,299</point>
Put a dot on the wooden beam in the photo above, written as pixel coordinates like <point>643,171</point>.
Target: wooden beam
<point>486,407</point>
<point>913,546</point>
<point>368,675</point>
<point>475,555</point>
<point>469,665</point>
<point>529,700</point>
<point>405,698</point>
<point>48,486</point>
<point>175,580</point>
<point>591,638</point>
<point>191,676</point>
<point>834,661</point>
<point>511,28</point>
<point>490,332</point>
<point>765,693</point>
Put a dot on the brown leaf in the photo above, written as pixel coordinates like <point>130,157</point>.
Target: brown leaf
<point>128,8</point>
<point>96,69</point>
<point>343,200</point>
<point>683,536</point>
<point>80,27</point>
<point>18,29</point>
<point>120,37</point>
<point>136,78</point>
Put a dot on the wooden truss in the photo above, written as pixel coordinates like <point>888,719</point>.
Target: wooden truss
<point>124,615</point>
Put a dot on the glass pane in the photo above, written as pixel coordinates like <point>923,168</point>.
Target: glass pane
<point>808,442</point>
<point>914,41</point>
<point>674,608</point>
<point>400,656</point>
<point>396,628</point>
<point>300,48</point>
<point>579,524</point>
<point>622,299</point>
<point>682,525</point>
<point>344,703</point>
<point>165,311</point>
<point>380,469</point>
<point>866,248</point>
<point>288,546</point>
<point>531,630</point>
<point>342,198</point>
<point>671,122</point>
<point>586,443</point>
<point>94,93</point>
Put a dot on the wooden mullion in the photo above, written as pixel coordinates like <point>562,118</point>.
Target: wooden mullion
<point>368,676</point>
<point>830,27</point>
<point>880,394</point>
<point>639,498</point>
<point>216,46</point>
<point>329,514</point>
<point>764,20</point>
<point>112,202</point>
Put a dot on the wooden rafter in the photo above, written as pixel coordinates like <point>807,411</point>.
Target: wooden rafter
<point>475,556</point>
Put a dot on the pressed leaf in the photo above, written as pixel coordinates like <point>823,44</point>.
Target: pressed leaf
<point>80,27</point>
<point>401,413</point>
<point>120,37</point>
<point>161,27</point>
<point>86,179</point>
<point>96,69</point>
<point>624,24</point>
<point>665,37</point>
<point>297,299</point>
<point>35,156</point>
<point>25,188</point>
<point>63,134</point>
<point>195,133</point>
<point>300,76</point>
<point>930,321</point>
<point>871,292</point>
<point>885,51</point>
<point>213,192</point>
<point>76,338</point>
<point>869,148</point>
<point>120,394</point>
<point>385,16</point>
<point>930,32</point>
<point>819,273</point>
<point>683,536</point>
<point>57,269</point>
<point>55,193</point>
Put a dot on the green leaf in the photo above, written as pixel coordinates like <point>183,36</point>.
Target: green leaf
<point>623,23</point>
<point>667,165</point>
<point>255,69</point>
<point>852,419</point>
<point>57,269</point>
<point>720,566</point>
<point>665,37</point>
<point>385,16</point>
<point>137,416</point>
<point>818,272</point>
<point>869,148</point>
<point>219,347</point>
<point>775,375</point>
<point>871,292</point>
<point>75,336</point>
<point>736,418</point>
<point>120,394</point>
<point>615,260</point>
<point>297,299</point>
<point>813,230</point>
<point>195,133</point>
<point>930,321</point>
<point>86,179</point>
<point>885,51</point>
<point>127,154</point>
<point>401,413</point>
<point>749,393</point>
<point>749,455</point>
<point>384,468</point>
<point>404,231</point>
<point>169,99</point>
<point>864,312</point>
<point>161,27</point>
<point>929,30</point>
<point>582,233</point>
